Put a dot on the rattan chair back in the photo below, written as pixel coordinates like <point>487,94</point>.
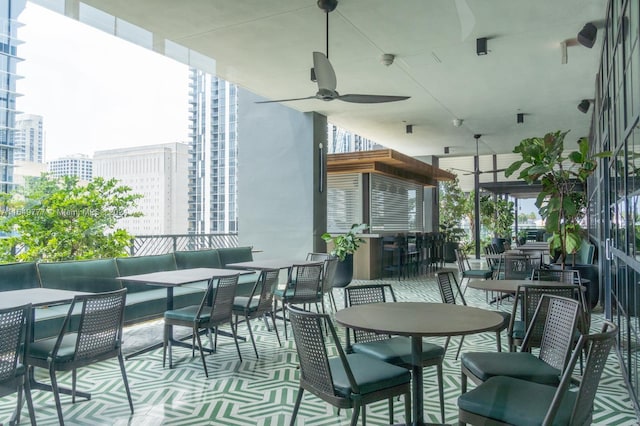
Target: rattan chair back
<point>267,283</point>
<point>217,304</point>
<point>307,283</point>
<point>361,295</point>
<point>519,267</point>
<point>448,286</point>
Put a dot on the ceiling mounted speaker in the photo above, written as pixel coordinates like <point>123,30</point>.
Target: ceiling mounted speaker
<point>587,35</point>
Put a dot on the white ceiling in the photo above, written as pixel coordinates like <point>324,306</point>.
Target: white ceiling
<point>266,46</point>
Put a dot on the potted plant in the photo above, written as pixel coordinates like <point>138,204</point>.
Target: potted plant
<point>455,205</point>
<point>562,199</point>
<point>453,234</point>
<point>498,216</point>
<point>343,246</point>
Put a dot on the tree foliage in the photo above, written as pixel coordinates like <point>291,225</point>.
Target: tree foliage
<point>454,206</point>
<point>51,219</point>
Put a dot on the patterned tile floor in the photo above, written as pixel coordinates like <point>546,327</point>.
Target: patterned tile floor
<point>262,392</point>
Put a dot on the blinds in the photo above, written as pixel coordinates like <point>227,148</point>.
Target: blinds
<point>396,205</point>
<point>344,201</point>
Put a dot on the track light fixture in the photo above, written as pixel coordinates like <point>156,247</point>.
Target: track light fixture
<point>481,46</point>
<point>409,128</point>
<point>583,106</point>
<point>520,117</point>
<point>587,35</point>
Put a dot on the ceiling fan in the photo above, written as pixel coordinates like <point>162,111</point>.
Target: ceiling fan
<point>479,172</point>
<point>325,76</point>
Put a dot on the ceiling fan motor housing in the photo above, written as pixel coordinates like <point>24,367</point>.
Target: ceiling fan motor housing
<point>328,5</point>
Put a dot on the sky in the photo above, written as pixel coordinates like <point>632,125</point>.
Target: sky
<point>96,91</point>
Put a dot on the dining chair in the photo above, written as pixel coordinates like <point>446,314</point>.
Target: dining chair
<point>394,350</point>
<point>345,381</point>
<point>307,279</point>
<point>526,301</point>
<point>98,337</point>
<point>15,326</point>
<point>466,272</point>
<point>447,283</point>
<point>328,273</point>
<point>509,400</point>
<point>559,317</point>
<point>519,267</point>
<point>215,309</point>
<point>259,304</point>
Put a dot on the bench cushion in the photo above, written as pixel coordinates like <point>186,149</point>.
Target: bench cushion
<point>95,276</point>
<point>198,259</point>
<point>143,265</point>
<point>152,303</point>
<point>19,275</point>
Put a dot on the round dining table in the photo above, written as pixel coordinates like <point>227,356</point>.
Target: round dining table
<point>418,320</point>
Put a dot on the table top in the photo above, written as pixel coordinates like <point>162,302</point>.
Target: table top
<point>271,264</point>
<point>178,277</point>
<point>37,297</point>
<point>510,286</point>
<point>419,319</point>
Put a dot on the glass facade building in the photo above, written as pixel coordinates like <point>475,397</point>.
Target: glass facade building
<point>9,11</point>
<point>213,154</point>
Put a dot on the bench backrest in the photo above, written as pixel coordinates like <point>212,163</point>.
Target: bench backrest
<point>143,265</point>
<point>96,275</point>
<point>16,276</point>
<point>234,255</point>
<point>198,259</point>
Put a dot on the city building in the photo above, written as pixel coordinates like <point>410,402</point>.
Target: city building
<point>73,165</point>
<point>341,140</point>
<point>27,169</point>
<point>29,139</point>
<point>9,11</point>
<point>213,154</point>
<point>159,173</point>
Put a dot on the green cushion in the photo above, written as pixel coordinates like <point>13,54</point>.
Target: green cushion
<point>521,365</point>
<point>152,303</point>
<point>397,350</point>
<point>42,349</point>
<point>478,273</point>
<point>370,374</point>
<point>143,265</point>
<point>235,254</point>
<point>283,293</point>
<point>187,314</point>
<point>98,275</point>
<point>240,303</point>
<point>198,259</point>
<point>518,331</point>
<point>516,402</point>
<point>16,276</point>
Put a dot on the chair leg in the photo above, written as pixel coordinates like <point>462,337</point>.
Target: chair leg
<point>296,407</point>
<point>284,319</point>
<point>498,341</point>
<point>333,300</point>
<point>204,363</point>
<point>16,421</point>
<point>73,386</point>
<point>407,408</point>
<point>56,393</point>
<point>446,344</point>
<point>440,389</point>
<point>27,396</point>
<point>355,413</point>
<point>459,347</point>
<point>463,383</point>
<point>273,321</point>
<point>391,411</point>
<point>235,339</point>
<point>253,342</point>
<point>125,381</point>
<point>165,342</point>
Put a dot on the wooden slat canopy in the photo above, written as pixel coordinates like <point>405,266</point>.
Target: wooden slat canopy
<point>387,162</point>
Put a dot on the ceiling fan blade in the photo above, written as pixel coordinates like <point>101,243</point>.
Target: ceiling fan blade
<point>285,100</point>
<point>325,76</point>
<point>370,99</point>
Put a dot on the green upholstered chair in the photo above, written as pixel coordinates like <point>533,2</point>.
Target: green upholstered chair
<point>306,281</point>
<point>394,350</point>
<point>15,326</point>
<point>259,303</point>
<point>98,338</point>
<point>466,272</point>
<point>559,316</point>
<point>347,380</point>
<point>328,273</point>
<point>449,287</point>
<point>508,400</point>
<point>215,309</point>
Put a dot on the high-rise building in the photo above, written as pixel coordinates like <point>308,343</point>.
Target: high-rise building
<point>213,150</point>
<point>341,140</point>
<point>159,173</point>
<point>74,165</point>
<point>29,139</point>
<point>9,11</point>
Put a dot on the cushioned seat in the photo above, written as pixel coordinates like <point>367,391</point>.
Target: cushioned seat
<point>521,365</point>
<point>370,374</point>
<point>397,350</point>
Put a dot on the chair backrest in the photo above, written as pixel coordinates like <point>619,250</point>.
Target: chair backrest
<point>557,275</point>
<point>598,347</point>
<point>329,273</point>
<point>311,345</point>
<point>560,317</point>
<point>462,261</point>
<point>218,300</point>
<point>362,295</point>
<point>14,328</point>
<point>449,287</point>
<point>307,283</point>
<point>529,296</point>
<point>99,333</point>
<point>519,267</point>
<point>317,257</point>
<point>266,285</point>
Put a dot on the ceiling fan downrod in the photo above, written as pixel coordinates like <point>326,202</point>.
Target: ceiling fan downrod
<point>327,6</point>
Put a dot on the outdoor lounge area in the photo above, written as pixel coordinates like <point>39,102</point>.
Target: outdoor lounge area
<point>262,391</point>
